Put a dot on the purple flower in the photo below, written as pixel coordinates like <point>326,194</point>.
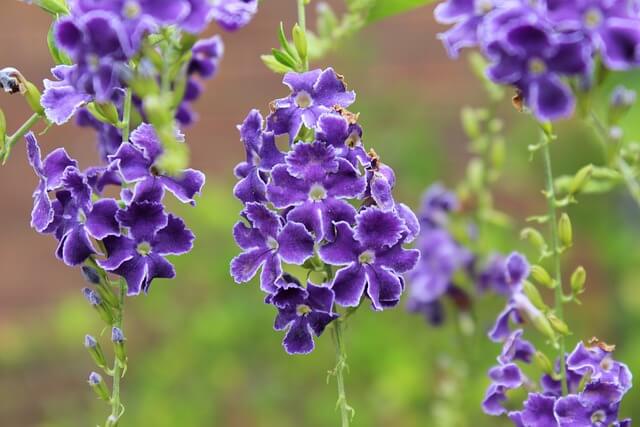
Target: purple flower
<point>313,183</point>
<point>503,378</point>
<point>72,216</point>
<point>538,411</point>
<point>596,405</point>
<point>515,348</point>
<point>262,155</point>
<point>139,256</point>
<point>206,57</point>
<point>303,312</point>
<point>136,161</point>
<point>596,360</point>
<point>344,136</point>
<point>234,14</point>
<point>373,257</point>
<point>266,243</point>
<point>528,56</point>
<point>612,26</point>
<point>437,204</point>
<point>312,94</point>
<point>61,99</point>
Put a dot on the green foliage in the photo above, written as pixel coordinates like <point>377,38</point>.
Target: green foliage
<point>384,8</point>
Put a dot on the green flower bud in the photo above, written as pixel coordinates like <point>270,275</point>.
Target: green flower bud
<point>476,173</point>
<point>3,129</point>
<point>542,361</point>
<point>470,122</point>
<point>54,7</point>
<point>535,238</point>
<point>109,111</point>
<point>32,96</point>
<point>558,324</point>
<point>534,295</point>
<point>580,179</point>
<point>98,386</point>
<point>542,276</point>
<point>300,41</point>
<point>578,279</point>
<point>543,325</point>
<point>94,349</point>
<point>565,231</point>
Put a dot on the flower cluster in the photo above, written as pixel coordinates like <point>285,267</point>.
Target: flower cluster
<point>324,203</point>
<point>596,383</point>
<point>129,237</point>
<point>537,46</point>
<point>442,257</point>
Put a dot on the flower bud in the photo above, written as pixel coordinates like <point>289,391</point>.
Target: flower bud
<point>470,122</point>
<point>543,362</point>
<point>98,385</point>
<point>117,336</point>
<point>535,238</point>
<point>94,299</point>
<point>90,274</point>
<point>300,41</point>
<point>542,276</point>
<point>580,179</point>
<point>622,99</point>
<point>565,231</point>
<point>32,96</point>
<point>109,111</point>
<point>558,324</point>
<point>112,421</point>
<point>3,129</point>
<point>476,173</point>
<point>54,7</point>
<point>94,349</point>
<point>534,295</point>
<point>498,153</point>
<point>535,316</point>
<point>578,279</point>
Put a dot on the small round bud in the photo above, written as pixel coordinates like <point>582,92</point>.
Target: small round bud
<point>565,230</point>
<point>90,342</point>
<point>117,335</point>
<point>578,280</point>
<point>95,378</point>
<point>94,349</point>
<point>623,97</point>
<point>543,362</point>
<point>535,238</point>
<point>91,296</point>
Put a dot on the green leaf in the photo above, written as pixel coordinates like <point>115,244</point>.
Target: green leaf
<point>384,8</point>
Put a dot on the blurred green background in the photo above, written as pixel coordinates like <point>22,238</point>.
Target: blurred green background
<point>202,349</point>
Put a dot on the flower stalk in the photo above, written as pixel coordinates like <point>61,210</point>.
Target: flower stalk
<point>346,411</point>
<point>555,251</point>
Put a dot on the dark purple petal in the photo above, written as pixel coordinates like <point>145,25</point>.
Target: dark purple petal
<point>132,163</point>
<point>333,211</point>
<point>76,247</point>
<point>311,161</point>
<point>509,375</point>
<point>271,272</point>
<point>348,285</point>
<point>251,189</point>
<point>310,215</point>
<point>145,138</point>
<point>247,237</point>
<point>330,90</point>
<point>157,268</point>
<point>397,258</point>
<point>346,182</point>
<point>298,339</point>
<point>134,272</point>
<point>376,229</point>
<point>101,221</point>
<point>186,186</point>
<point>344,249</point>
<point>295,244</point>
<point>174,239</point>
<point>245,265</point>
<point>320,298</point>
<point>538,411</point>
<point>620,40</point>
<point>143,219</point>
<point>54,166</point>
<point>550,98</point>
<point>119,249</point>
<point>76,184</point>
<point>42,214</point>
<point>286,190</point>
<point>384,288</point>
<point>149,189</point>
<point>263,219</point>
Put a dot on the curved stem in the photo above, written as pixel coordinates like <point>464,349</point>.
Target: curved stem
<point>116,404</point>
<point>13,139</point>
<point>555,247</point>
<point>126,116</point>
<point>346,411</point>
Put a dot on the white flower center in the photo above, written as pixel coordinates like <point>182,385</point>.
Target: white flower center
<point>303,310</point>
<point>367,257</point>
<point>593,17</point>
<point>303,99</point>
<point>598,417</point>
<point>272,243</point>
<point>143,248</point>
<point>317,192</point>
<point>537,66</point>
<point>131,9</point>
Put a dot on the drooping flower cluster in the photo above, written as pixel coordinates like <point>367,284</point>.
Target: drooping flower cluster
<point>538,46</point>
<point>442,257</point>
<point>129,237</point>
<point>326,203</point>
<point>596,382</point>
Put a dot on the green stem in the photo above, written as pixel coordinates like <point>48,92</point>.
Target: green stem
<point>13,139</point>
<point>302,22</point>
<point>126,116</point>
<point>555,247</point>
<point>627,172</point>
<point>116,404</point>
<point>346,411</point>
